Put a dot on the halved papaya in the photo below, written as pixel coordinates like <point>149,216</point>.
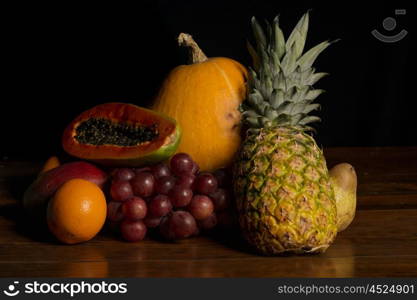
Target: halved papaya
<point>121,134</point>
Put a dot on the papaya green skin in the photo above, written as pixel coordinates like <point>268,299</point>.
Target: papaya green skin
<point>116,156</point>
<point>37,195</point>
<point>163,153</point>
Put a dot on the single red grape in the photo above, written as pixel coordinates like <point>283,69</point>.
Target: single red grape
<point>123,174</point>
<point>164,184</point>
<point>221,199</point>
<point>205,183</point>
<point>181,224</point>
<point>180,196</point>
<point>160,170</point>
<point>121,190</point>
<point>134,209</point>
<point>133,231</point>
<point>186,180</point>
<point>181,164</point>
<point>160,206</point>
<point>143,184</point>
<point>114,212</point>
<point>208,223</point>
<point>201,207</point>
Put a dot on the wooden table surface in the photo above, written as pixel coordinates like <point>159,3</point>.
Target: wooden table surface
<point>381,241</point>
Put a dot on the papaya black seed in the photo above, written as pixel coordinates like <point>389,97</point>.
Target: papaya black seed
<point>100,131</point>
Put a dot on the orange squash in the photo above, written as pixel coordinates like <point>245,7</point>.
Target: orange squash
<point>204,98</point>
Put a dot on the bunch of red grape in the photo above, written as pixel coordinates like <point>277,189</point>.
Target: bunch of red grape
<point>177,200</point>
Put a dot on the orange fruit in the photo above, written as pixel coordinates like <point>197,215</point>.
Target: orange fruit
<point>50,164</point>
<point>77,211</point>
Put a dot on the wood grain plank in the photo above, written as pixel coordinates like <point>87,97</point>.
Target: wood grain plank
<point>277,267</point>
<point>382,239</point>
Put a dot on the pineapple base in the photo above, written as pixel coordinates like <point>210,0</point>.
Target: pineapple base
<point>284,198</point>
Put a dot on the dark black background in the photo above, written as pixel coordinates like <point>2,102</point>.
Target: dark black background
<point>63,59</point>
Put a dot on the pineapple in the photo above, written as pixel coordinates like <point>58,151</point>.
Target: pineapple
<point>283,193</point>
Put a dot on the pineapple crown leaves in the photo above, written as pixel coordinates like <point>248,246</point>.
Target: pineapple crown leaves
<point>280,87</point>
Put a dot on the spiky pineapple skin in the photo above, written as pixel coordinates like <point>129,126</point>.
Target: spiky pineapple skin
<point>283,193</point>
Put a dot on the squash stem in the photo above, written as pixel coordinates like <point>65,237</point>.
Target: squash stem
<point>196,55</point>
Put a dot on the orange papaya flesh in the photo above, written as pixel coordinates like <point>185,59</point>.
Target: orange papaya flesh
<point>121,134</point>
